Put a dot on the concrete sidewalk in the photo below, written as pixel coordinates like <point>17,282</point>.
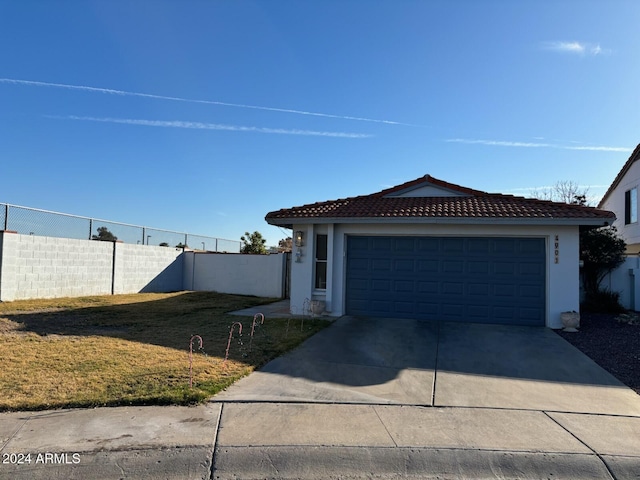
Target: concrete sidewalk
<point>109,443</point>
<point>276,440</point>
<point>386,441</point>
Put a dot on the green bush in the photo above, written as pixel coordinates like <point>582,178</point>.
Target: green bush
<point>603,301</point>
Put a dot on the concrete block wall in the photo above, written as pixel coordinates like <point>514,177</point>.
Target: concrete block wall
<point>241,274</point>
<point>146,268</point>
<point>48,267</point>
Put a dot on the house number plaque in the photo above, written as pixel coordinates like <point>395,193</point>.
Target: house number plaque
<point>556,249</point>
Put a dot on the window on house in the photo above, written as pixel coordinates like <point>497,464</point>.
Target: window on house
<point>631,206</point>
<point>321,262</point>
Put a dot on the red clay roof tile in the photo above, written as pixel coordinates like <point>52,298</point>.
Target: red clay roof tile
<point>469,204</point>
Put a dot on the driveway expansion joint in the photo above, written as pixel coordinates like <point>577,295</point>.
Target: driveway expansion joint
<point>215,442</point>
<point>606,466</point>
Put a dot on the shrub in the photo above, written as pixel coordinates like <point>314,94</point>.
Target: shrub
<point>603,301</point>
<point>602,251</point>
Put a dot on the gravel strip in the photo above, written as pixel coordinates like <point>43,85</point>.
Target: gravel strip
<point>612,344</point>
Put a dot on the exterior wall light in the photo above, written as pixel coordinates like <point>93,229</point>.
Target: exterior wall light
<point>299,238</point>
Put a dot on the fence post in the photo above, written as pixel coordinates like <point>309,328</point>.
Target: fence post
<point>90,227</point>
<point>185,241</point>
<point>6,217</point>
<point>143,232</point>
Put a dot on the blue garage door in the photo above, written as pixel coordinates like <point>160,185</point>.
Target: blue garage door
<point>461,279</point>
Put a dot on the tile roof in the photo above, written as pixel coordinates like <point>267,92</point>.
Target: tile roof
<point>625,168</point>
<point>467,204</point>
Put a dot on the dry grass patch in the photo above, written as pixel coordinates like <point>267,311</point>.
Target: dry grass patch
<point>131,349</point>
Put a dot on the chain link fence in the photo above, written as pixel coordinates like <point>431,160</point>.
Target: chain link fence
<point>33,221</point>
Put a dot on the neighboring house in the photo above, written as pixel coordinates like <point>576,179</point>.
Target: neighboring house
<point>622,199</point>
<point>429,249</point>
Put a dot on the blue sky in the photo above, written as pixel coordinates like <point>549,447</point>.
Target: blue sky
<point>202,116</point>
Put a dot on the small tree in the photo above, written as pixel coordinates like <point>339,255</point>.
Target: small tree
<point>253,243</point>
<point>104,235</point>
<point>565,191</point>
<point>602,251</point>
<point>285,245</point>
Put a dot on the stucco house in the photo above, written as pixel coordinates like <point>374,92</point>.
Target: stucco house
<point>429,249</point>
<point>622,199</point>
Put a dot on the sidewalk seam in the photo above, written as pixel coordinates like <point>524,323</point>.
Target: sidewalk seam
<point>13,435</point>
<point>613,477</point>
<point>215,443</point>
<point>435,368</point>
<point>385,427</point>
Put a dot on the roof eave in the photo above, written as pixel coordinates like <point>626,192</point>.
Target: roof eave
<point>289,222</point>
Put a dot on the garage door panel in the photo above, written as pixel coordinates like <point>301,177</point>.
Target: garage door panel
<point>382,306</point>
<point>428,245</point>
<point>531,291</point>
<point>452,311</point>
<point>381,285</point>
<point>479,245</point>
<point>504,312</point>
<point>530,314</point>
<point>505,268</point>
<point>404,307</point>
<point>452,245</point>
<point>532,269</point>
<point>359,288</point>
<point>403,286</point>
<point>484,279</point>
<point>531,246</point>
<point>379,244</point>
<point>427,287</point>
<point>504,290</point>
<point>452,266</point>
<point>403,265</point>
<point>504,246</point>
<point>359,264</point>
<point>403,244</point>
<point>479,289</point>
<point>427,309</point>
<point>359,244</point>
<point>453,288</point>
<point>475,267</point>
<point>380,265</point>
<point>478,312</point>
<point>427,266</point>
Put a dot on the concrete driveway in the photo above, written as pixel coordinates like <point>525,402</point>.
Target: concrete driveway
<point>409,362</point>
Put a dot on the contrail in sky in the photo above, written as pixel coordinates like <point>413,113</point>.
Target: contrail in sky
<point>502,143</point>
<point>124,93</point>
<point>210,126</point>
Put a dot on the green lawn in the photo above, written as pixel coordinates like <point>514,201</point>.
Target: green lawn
<point>131,349</point>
